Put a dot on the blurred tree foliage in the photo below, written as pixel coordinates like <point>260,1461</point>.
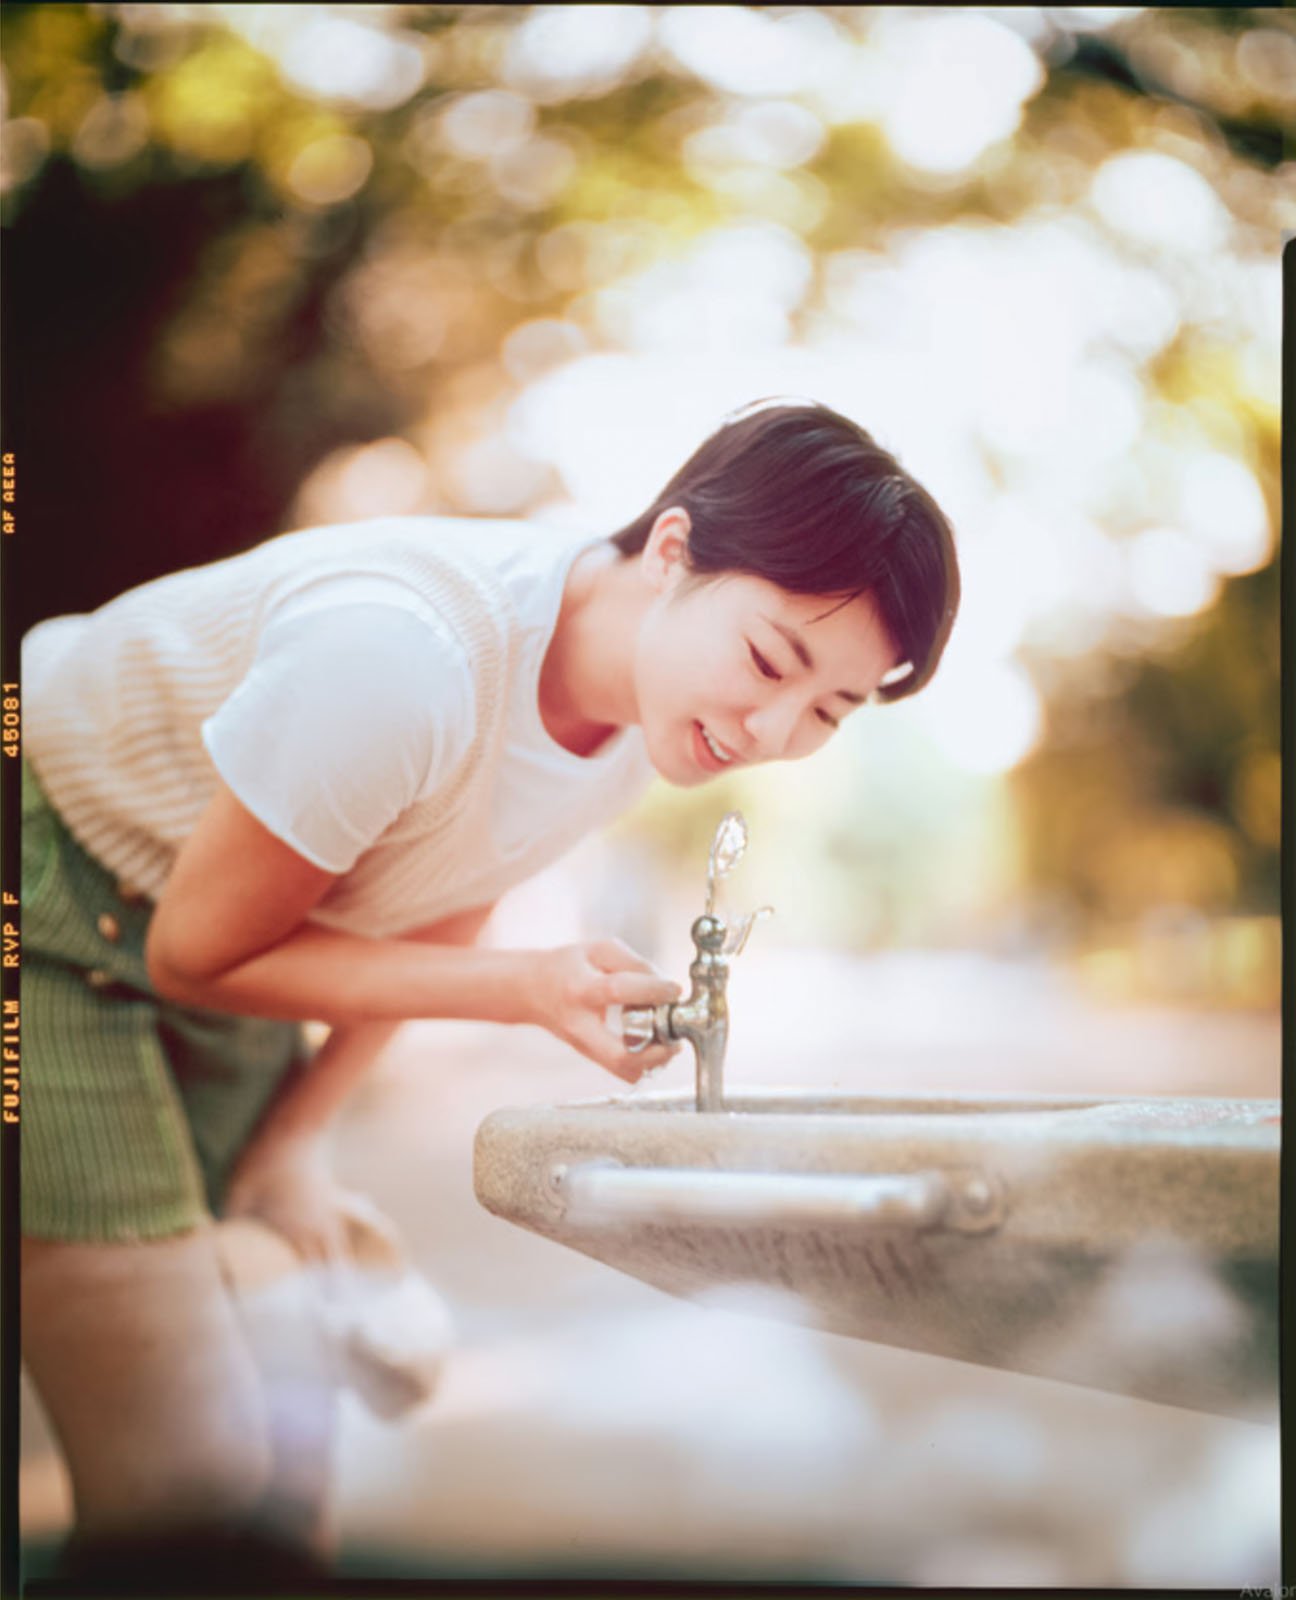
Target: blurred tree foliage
<point>1189,815</point>
<point>204,263</point>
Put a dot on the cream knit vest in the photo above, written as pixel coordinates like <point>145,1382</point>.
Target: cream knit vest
<point>113,712</point>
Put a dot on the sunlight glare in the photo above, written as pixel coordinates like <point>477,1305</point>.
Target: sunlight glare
<point>1221,505</point>
<point>1169,573</point>
<point>744,51</point>
<point>986,718</point>
<point>558,51</point>
<point>331,169</point>
<point>1161,202</point>
<point>338,58</point>
<point>956,85</point>
<point>488,123</point>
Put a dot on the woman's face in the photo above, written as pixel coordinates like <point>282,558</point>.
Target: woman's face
<point>733,670</point>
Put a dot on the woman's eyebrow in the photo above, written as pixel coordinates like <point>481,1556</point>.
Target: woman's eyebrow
<point>802,652</point>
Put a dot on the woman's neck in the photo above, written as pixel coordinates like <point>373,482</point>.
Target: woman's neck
<point>587,678</point>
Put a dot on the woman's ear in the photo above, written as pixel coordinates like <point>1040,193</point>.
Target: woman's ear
<point>665,553</point>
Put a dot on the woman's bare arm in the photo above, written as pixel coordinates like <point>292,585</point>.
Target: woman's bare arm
<point>309,1104</point>
<point>229,933</point>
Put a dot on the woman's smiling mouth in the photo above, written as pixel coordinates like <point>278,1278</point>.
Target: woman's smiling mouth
<point>708,750</point>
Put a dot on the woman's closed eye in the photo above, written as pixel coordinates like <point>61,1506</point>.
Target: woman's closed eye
<point>768,670</point>
<point>763,666</point>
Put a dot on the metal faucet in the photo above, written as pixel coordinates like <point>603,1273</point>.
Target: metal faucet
<point>703,1018</point>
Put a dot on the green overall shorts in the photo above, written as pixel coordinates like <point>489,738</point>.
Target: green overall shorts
<point>134,1108</point>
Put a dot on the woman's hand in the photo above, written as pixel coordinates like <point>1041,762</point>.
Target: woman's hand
<point>572,989</point>
<point>287,1185</point>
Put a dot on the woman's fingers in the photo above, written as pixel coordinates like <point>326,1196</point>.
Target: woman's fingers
<point>330,1242</point>
<point>627,981</point>
<point>635,989</point>
<point>300,1204</point>
<point>318,1240</point>
<point>591,986</point>
<point>652,1058</point>
<point>607,1047</point>
<point>613,955</point>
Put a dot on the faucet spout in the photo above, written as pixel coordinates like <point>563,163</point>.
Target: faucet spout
<point>703,1019</point>
<point>710,1053</point>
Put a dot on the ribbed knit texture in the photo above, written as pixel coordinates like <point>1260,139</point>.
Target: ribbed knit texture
<point>115,704</point>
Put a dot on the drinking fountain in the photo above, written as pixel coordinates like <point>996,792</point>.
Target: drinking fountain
<point>1004,1230</point>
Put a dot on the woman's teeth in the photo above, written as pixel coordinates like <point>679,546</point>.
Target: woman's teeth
<point>717,750</point>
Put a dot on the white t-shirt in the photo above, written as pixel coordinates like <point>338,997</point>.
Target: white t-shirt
<point>368,655</point>
<point>325,677</point>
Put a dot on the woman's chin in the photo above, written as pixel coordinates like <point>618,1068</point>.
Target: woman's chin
<point>673,766</point>
<point>693,780</point>
<point>680,776</point>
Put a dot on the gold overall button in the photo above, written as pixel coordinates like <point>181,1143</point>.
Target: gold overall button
<point>97,978</point>
<point>109,927</point>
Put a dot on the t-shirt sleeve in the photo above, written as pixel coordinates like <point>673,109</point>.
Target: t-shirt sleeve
<point>347,716</point>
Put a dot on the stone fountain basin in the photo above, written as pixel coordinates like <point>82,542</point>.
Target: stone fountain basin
<point>1127,1244</point>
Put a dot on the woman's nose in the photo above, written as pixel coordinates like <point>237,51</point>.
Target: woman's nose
<point>770,727</point>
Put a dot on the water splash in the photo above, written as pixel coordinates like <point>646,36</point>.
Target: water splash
<point>727,850</point>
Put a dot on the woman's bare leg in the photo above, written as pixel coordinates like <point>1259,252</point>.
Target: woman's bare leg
<point>278,1303</point>
<point>149,1381</point>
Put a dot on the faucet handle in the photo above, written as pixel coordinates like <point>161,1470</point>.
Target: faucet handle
<point>639,1026</point>
<point>736,938</point>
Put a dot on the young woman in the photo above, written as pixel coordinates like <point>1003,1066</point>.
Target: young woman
<point>291,785</point>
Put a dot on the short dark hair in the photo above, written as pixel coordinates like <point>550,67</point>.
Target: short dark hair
<point>795,493</point>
